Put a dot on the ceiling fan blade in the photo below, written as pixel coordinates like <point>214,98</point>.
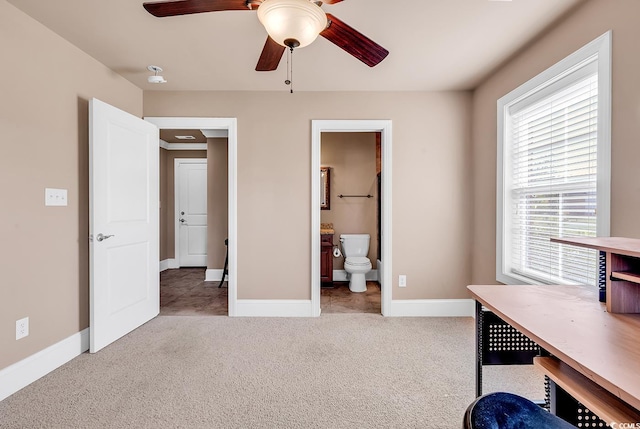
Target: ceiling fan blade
<point>270,56</point>
<point>185,7</point>
<point>353,42</point>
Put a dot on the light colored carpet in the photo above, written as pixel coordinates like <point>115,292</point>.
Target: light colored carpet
<point>336,371</point>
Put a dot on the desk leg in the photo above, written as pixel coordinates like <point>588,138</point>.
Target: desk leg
<point>498,343</point>
<point>479,322</point>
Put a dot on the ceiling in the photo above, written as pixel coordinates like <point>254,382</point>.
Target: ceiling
<point>434,44</point>
<point>188,136</point>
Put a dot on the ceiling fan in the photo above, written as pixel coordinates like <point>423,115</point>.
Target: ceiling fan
<point>289,23</point>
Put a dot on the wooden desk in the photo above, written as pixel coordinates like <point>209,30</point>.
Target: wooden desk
<point>570,324</point>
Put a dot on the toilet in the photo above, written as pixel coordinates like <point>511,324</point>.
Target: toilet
<point>355,248</point>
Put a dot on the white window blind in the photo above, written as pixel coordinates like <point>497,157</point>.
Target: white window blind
<point>554,169</point>
<point>552,138</point>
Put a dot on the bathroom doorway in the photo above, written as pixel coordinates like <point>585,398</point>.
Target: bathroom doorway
<point>365,206</point>
<point>353,162</point>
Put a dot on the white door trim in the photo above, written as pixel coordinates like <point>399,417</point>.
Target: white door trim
<point>231,126</point>
<point>383,127</point>
<point>176,193</point>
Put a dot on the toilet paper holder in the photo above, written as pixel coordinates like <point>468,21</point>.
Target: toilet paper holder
<point>336,251</point>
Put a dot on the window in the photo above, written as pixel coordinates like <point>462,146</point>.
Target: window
<point>553,170</point>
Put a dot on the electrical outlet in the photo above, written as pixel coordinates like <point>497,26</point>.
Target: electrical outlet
<point>22,328</point>
<point>402,280</point>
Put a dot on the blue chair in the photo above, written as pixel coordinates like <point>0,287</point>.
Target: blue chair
<point>508,411</point>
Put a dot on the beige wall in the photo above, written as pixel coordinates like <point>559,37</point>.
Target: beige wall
<point>167,198</point>
<point>44,123</point>
<point>586,23</point>
<point>432,197</point>
<point>352,158</point>
<point>217,201</point>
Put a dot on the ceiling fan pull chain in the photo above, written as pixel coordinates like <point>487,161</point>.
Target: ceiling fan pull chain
<point>289,69</point>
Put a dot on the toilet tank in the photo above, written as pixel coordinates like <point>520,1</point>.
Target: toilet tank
<point>355,244</point>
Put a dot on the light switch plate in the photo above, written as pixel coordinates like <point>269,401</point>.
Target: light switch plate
<point>55,197</point>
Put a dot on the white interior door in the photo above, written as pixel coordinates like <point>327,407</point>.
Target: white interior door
<point>124,223</point>
<point>191,177</point>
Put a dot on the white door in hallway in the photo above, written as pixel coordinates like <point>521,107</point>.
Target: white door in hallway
<point>123,223</point>
<point>191,211</point>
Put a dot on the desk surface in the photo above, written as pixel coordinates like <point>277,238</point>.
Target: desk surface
<point>570,323</point>
<point>619,245</point>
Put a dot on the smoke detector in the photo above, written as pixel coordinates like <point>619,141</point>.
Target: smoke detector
<point>156,78</point>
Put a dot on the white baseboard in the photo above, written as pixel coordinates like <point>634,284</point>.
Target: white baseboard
<point>341,276</point>
<point>168,264</point>
<point>214,275</point>
<point>399,308</point>
<point>432,308</point>
<point>273,308</point>
<point>28,370</point>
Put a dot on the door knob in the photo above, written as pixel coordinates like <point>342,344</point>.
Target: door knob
<point>183,221</point>
<point>101,237</point>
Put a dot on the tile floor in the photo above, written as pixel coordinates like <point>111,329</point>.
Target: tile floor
<point>183,292</point>
<point>339,299</point>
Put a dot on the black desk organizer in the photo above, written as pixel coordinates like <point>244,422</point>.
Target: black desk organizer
<point>602,276</point>
<point>498,343</point>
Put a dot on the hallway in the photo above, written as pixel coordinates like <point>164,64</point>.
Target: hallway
<point>183,292</point>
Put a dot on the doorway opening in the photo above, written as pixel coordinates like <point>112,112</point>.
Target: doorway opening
<point>213,129</point>
<point>352,164</point>
<point>382,130</point>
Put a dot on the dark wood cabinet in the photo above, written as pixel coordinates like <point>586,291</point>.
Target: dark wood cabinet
<point>326,258</point>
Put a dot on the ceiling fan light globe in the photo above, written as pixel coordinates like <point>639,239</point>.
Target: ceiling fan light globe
<point>298,20</point>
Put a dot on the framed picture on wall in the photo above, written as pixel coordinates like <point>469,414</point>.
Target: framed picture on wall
<point>324,188</point>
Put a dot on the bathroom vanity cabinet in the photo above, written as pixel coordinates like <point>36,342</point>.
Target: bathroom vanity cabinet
<point>326,259</point>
